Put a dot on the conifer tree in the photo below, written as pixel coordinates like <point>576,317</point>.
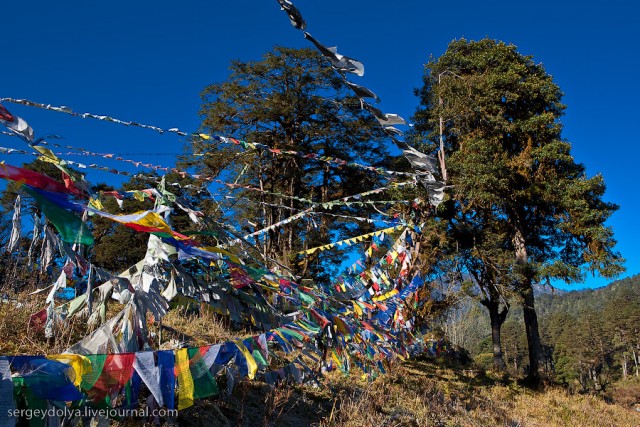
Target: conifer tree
<point>289,100</point>
<point>508,163</point>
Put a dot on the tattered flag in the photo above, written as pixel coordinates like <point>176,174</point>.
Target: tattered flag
<point>383,118</point>
<point>16,124</point>
<point>294,14</point>
<point>339,62</point>
<point>362,92</point>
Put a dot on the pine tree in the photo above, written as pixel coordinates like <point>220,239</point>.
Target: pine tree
<point>289,100</point>
<point>508,161</point>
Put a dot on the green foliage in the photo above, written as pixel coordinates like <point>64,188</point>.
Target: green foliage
<point>484,360</point>
<point>289,100</point>
<point>586,334</point>
<point>522,210</point>
<point>509,166</point>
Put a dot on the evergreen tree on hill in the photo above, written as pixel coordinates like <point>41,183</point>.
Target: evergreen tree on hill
<point>508,162</point>
<point>289,100</point>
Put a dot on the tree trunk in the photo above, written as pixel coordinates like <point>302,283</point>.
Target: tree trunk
<point>596,382</point>
<point>624,366</point>
<point>533,334</point>
<point>497,319</point>
<point>635,361</point>
<point>528,305</point>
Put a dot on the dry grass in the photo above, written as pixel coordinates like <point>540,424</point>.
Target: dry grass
<point>420,393</point>
<point>187,327</point>
<point>415,393</point>
<point>18,337</point>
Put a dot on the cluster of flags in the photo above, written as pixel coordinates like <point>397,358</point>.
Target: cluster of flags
<point>358,321</point>
<point>362,319</point>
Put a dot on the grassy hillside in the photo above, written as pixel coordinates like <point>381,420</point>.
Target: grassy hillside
<point>415,393</point>
<point>420,392</point>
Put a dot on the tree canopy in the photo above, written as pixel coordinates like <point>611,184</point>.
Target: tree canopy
<point>510,167</point>
<point>288,101</point>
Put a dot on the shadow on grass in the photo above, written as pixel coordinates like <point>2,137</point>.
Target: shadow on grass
<point>258,404</point>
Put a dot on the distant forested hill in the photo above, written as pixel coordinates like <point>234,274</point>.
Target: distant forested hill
<point>590,337</point>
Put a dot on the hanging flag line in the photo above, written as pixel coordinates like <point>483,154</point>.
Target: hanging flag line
<point>314,156</point>
<point>354,218</point>
<point>128,220</point>
<point>389,257</point>
<point>315,318</point>
<point>346,201</point>
<point>423,164</point>
<point>327,205</point>
<point>67,110</point>
<point>47,155</point>
<point>337,162</point>
<point>351,240</point>
<point>353,200</point>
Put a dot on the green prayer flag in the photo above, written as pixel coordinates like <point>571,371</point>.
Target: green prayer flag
<point>70,227</point>
<point>97,364</point>
<point>204,385</point>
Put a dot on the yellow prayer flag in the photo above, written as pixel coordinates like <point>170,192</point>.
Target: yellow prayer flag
<point>96,203</point>
<point>81,365</point>
<point>153,220</point>
<point>336,359</point>
<point>185,380</point>
<point>357,308</point>
<point>231,257</point>
<point>386,296</point>
<point>47,155</point>
<point>252,366</point>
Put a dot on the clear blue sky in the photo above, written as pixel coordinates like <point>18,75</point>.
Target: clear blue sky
<point>147,61</point>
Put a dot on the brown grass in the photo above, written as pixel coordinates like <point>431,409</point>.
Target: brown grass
<point>18,337</point>
<point>415,393</point>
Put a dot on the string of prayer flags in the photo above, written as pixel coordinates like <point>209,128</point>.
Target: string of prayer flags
<point>67,110</point>
<point>190,368</point>
<point>434,188</point>
<point>249,294</point>
<point>389,119</point>
<point>351,240</point>
<point>343,64</point>
<point>275,225</point>
<point>314,156</point>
